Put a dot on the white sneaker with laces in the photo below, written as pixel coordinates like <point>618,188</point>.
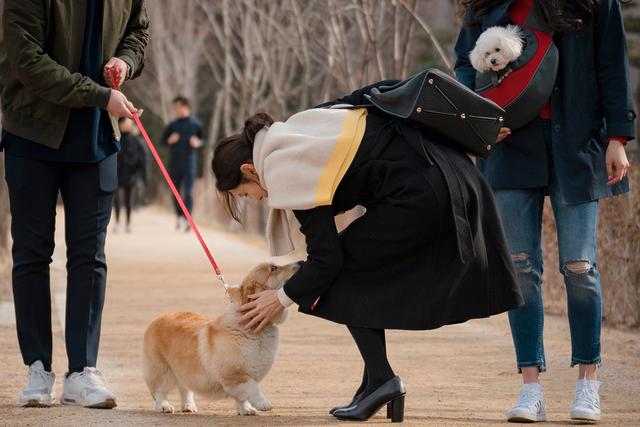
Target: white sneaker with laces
<point>530,407</point>
<point>89,389</point>
<point>39,391</point>
<point>586,404</point>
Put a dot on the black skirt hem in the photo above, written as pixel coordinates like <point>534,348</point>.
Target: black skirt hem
<point>406,326</point>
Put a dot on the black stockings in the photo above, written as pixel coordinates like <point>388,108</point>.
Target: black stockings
<point>373,349</point>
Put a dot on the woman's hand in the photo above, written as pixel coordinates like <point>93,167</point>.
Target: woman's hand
<point>617,162</point>
<point>258,313</point>
<point>504,132</point>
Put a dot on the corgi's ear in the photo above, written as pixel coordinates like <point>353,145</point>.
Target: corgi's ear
<point>235,293</point>
<point>240,294</point>
<point>247,288</point>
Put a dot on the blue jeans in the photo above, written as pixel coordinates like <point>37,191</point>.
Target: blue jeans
<point>521,212</point>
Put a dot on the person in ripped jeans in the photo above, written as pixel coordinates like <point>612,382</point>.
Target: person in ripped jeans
<point>574,152</point>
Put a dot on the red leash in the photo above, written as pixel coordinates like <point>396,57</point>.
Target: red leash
<point>115,77</point>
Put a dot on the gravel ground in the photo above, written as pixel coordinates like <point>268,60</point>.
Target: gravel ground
<point>457,375</point>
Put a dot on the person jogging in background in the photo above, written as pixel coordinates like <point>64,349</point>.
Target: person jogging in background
<point>184,136</point>
<point>132,167</point>
<point>56,59</point>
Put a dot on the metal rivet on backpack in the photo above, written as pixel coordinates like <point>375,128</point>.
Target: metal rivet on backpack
<point>463,116</point>
<point>488,147</point>
<point>430,81</point>
<point>419,110</point>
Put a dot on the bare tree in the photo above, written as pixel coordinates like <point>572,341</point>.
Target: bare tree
<point>237,57</point>
<point>174,56</point>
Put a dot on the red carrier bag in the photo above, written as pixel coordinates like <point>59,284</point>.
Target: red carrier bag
<point>523,88</point>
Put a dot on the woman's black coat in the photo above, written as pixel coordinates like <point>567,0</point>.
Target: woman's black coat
<point>428,251</point>
<point>591,101</point>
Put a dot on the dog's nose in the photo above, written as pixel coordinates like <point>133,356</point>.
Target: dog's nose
<point>494,62</point>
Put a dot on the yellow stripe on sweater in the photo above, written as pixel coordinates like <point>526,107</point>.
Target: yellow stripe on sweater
<point>347,145</point>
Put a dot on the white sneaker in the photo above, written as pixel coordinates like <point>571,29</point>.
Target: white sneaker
<point>586,405</point>
<point>89,389</point>
<point>39,391</point>
<point>530,407</point>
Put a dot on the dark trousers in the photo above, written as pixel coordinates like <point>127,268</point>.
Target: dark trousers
<point>184,178</point>
<point>124,193</point>
<point>87,193</point>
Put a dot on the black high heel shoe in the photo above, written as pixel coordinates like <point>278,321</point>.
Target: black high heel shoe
<point>355,400</point>
<point>390,393</point>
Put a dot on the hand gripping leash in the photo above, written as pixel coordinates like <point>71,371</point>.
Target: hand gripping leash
<point>115,77</point>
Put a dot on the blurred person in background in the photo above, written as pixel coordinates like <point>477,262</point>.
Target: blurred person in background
<point>184,137</point>
<point>574,151</point>
<point>132,166</point>
<point>140,195</point>
<point>55,83</point>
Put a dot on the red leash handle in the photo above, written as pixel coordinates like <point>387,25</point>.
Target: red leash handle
<point>115,78</point>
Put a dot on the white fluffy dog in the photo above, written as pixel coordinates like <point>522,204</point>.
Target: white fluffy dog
<point>496,48</point>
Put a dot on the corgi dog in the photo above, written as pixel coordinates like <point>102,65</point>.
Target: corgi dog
<point>215,358</point>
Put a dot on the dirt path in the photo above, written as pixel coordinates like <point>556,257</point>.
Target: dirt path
<point>457,375</point>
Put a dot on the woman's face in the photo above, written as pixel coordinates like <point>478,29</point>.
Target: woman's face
<point>250,186</point>
<point>250,189</point>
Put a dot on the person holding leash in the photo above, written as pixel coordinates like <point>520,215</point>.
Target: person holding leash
<point>56,60</point>
<point>429,251</point>
<point>574,152</point>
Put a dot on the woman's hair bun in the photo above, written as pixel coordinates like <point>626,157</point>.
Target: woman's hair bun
<point>254,124</point>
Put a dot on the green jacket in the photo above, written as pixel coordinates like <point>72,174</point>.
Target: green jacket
<point>40,50</point>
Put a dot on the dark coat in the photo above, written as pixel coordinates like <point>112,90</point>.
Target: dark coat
<point>40,50</point>
<point>183,159</point>
<point>400,266</point>
<point>590,102</point>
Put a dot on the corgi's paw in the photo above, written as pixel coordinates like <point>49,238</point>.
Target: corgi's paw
<point>164,407</point>
<point>189,407</point>
<point>263,405</point>
<point>245,408</point>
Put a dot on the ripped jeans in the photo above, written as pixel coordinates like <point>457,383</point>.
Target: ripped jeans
<point>521,212</point>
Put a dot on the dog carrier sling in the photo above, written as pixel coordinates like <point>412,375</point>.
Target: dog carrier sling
<point>524,86</point>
